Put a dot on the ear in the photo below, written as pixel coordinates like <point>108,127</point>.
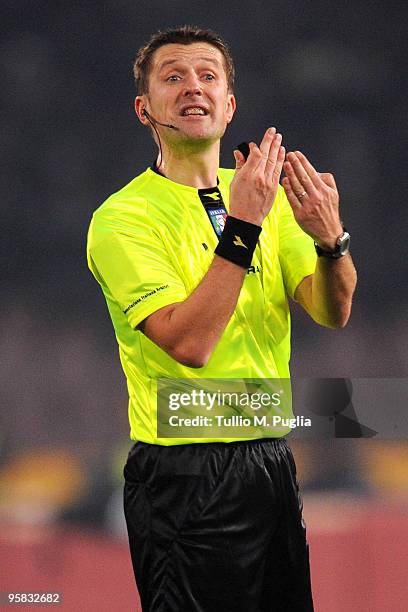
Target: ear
<point>140,104</point>
<point>231,106</point>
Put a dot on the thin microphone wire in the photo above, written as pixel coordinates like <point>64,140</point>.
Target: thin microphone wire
<point>152,122</point>
<point>151,118</point>
<point>158,138</point>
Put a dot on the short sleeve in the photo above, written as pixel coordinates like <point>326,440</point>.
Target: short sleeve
<point>297,254</point>
<point>131,262</point>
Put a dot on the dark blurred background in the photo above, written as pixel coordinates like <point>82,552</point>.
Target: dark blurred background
<point>330,75</point>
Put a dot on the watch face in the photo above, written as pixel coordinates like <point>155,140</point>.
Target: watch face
<point>344,243</point>
<point>341,248</point>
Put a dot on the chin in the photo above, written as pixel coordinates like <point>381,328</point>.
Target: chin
<point>197,137</point>
<point>199,133</point>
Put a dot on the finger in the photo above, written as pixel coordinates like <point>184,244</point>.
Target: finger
<point>274,171</point>
<point>254,157</point>
<point>279,166</point>
<point>290,194</point>
<point>296,185</point>
<point>328,179</point>
<point>266,141</point>
<point>239,159</point>
<point>311,171</point>
<point>265,146</point>
<point>270,162</point>
<point>302,176</point>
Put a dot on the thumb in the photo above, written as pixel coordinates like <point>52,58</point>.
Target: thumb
<point>239,159</point>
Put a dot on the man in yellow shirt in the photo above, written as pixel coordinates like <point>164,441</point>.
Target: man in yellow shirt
<point>197,264</point>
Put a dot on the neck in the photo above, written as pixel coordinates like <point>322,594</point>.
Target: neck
<point>193,168</point>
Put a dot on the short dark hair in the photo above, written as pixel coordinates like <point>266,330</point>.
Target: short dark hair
<point>183,35</point>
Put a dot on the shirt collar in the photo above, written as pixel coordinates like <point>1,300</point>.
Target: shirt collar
<point>157,171</point>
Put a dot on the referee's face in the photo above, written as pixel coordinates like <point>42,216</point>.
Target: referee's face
<point>188,88</point>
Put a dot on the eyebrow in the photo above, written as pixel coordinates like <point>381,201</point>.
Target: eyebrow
<point>174,61</point>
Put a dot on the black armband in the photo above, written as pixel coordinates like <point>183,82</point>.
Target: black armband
<point>238,241</point>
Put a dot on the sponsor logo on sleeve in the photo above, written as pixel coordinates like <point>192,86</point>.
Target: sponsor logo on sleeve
<point>143,297</point>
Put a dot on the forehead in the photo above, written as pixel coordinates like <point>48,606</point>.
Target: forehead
<point>190,54</point>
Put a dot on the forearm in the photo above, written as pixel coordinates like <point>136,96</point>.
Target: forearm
<point>332,288</point>
<point>189,331</point>
<point>327,294</point>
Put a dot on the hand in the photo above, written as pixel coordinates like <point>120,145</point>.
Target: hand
<point>255,184</point>
<point>314,199</point>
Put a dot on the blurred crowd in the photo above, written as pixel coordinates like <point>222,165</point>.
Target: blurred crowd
<point>331,76</point>
<point>48,486</point>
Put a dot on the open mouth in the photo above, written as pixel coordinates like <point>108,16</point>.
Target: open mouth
<point>194,111</point>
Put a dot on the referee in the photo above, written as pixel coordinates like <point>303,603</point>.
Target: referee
<point>197,264</point>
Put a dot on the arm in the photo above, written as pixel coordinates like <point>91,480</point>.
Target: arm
<point>189,331</point>
<point>327,294</point>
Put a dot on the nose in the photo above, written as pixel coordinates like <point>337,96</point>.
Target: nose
<point>192,85</point>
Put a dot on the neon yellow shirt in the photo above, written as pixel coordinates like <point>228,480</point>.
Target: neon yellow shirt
<point>149,245</point>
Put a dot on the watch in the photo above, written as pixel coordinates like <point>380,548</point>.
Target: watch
<point>342,247</point>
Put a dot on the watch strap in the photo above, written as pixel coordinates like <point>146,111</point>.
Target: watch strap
<point>335,253</point>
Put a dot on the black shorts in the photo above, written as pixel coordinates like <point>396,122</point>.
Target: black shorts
<point>217,527</point>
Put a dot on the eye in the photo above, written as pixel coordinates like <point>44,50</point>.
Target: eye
<point>209,77</point>
<point>173,78</point>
